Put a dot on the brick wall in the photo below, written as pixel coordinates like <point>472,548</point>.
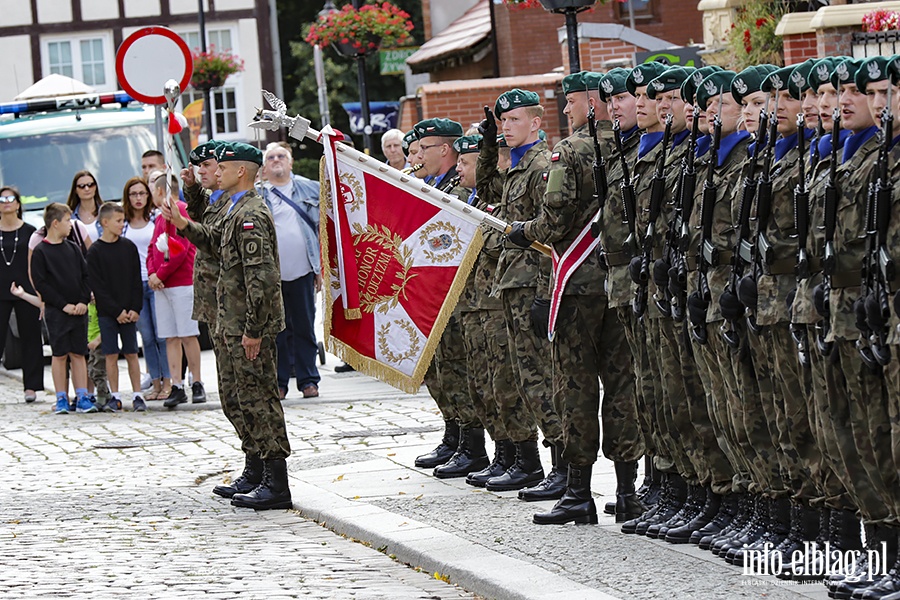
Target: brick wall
<point>426,19</point>
<point>836,41</point>
<point>799,47</point>
<point>595,53</point>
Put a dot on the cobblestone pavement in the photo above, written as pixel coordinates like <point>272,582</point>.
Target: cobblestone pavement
<point>120,504</point>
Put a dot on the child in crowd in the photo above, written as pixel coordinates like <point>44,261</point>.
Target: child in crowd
<point>96,361</point>
<point>59,274</point>
<point>114,273</point>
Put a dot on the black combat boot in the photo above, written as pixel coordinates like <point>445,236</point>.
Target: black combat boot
<point>728,509</point>
<point>577,504</point>
<point>525,471</point>
<point>778,529</point>
<point>770,509</point>
<point>646,488</point>
<point>692,504</point>
<point>890,583</point>
<point>682,535</point>
<point>272,493</point>
<point>553,486</point>
<point>504,456</point>
<point>805,527</point>
<point>881,545</point>
<point>670,503</point>
<point>651,495</point>
<point>246,481</point>
<point>632,525</point>
<point>843,534</point>
<point>754,528</point>
<point>444,451</point>
<point>745,508</point>
<point>628,505</point>
<point>469,457</point>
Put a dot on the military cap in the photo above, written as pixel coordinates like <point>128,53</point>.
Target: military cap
<point>822,70</point>
<point>229,151</point>
<point>690,85</point>
<point>845,72</point>
<point>642,75</point>
<point>408,138</point>
<point>799,79</point>
<point>871,70</point>
<point>581,82</point>
<point>467,144</point>
<point>515,98</point>
<point>613,83</point>
<point>712,86</point>
<point>750,80</point>
<point>671,79</point>
<point>894,68</point>
<point>203,152</point>
<point>438,128</point>
<point>778,80</point>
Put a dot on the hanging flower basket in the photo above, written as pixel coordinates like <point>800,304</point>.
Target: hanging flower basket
<point>555,5</point>
<point>359,32</point>
<point>212,68</point>
<point>881,20</point>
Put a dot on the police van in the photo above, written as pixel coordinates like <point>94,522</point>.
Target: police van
<point>45,141</point>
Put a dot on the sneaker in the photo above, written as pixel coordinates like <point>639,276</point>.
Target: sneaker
<point>310,390</point>
<point>72,406</point>
<point>138,404</point>
<point>112,405</point>
<point>175,398</point>
<point>62,406</point>
<point>198,394</point>
<point>84,405</point>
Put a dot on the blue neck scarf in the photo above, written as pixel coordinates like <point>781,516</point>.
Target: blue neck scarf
<point>235,199</point>
<point>679,137</point>
<point>784,144</point>
<point>824,145</point>
<point>855,141</point>
<point>626,135</point>
<point>728,144</point>
<point>648,142</point>
<point>516,154</point>
<point>439,179</point>
<point>894,141</point>
<point>703,143</point>
<point>471,199</point>
<point>214,197</point>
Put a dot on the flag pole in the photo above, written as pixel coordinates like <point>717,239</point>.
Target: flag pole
<point>299,128</point>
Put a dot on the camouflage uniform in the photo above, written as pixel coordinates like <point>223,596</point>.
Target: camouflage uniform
<point>588,340</point>
<point>849,381</point>
<point>892,370</point>
<point>522,275</point>
<point>246,305</point>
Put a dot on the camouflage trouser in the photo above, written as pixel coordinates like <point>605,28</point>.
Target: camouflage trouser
<point>677,438</point>
<point>647,393</point>
<point>249,396</point>
<point>478,371</point>
<point>96,367</point>
<point>892,382</point>
<point>590,342</point>
<point>870,427</point>
<point>833,477</point>
<point>800,456</point>
<point>764,417</point>
<point>718,378</point>
<point>531,362</point>
<point>514,418</point>
<point>850,388</point>
<point>446,378</point>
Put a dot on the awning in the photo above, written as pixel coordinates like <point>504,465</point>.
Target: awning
<point>466,40</point>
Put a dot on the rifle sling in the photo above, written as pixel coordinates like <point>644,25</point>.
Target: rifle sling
<point>618,259</point>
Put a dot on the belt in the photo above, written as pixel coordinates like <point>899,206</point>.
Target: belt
<point>783,266</point>
<point>845,279</point>
<point>691,262</point>
<point>618,259</point>
<point>815,264</point>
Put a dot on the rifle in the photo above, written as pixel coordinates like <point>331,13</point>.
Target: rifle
<point>801,224</point>
<point>742,245</point>
<point>679,234</point>
<point>657,189</point>
<point>831,203</point>
<point>629,204</point>
<point>708,253</point>
<point>598,172</point>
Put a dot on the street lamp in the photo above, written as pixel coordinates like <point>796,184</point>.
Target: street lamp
<point>319,67</point>
<point>363,95</point>
<point>570,8</point>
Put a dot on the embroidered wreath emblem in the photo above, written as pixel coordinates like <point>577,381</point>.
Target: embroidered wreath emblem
<point>391,246</point>
<point>412,346</point>
<point>440,241</point>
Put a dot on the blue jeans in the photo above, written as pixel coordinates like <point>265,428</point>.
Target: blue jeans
<point>154,347</point>
<point>297,346</point>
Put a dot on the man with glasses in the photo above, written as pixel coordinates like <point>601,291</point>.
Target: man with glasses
<point>294,202</point>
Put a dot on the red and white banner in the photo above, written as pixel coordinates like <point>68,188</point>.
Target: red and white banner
<point>564,266</point>
<point>394,266</point>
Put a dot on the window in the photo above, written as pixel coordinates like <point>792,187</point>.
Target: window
<point>87,59</point>
<point>644,10</point>
<point>224,105</point>
<point>220,39</point>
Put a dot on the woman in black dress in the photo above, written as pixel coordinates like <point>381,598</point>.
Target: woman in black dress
<point>14,236</point>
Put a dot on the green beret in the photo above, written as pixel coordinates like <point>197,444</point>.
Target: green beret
<point>501,141</point>
<point>822,70</point>
<point>690,85</point>
<point>239,151</point>
<point>799,79</point>
<point>894,68</point>
<point>671,79</point>
<point>613,83</point>
<point>642,75</point>
<point>749,80</point>
<point>580,82</point>
<point>845,72</point>
<point>515,98</point>
<point>871,70</point>
<point>712,86</point>
<point>467,144</point>
<point>408,138</point>
<point>438,128</point>
<point>778,80</point>
<point>204,151</point>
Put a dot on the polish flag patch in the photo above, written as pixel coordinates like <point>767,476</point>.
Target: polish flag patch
<point>554,157</point>
<point>248,226</point>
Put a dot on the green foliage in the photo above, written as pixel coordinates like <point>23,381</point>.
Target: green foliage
<point>752,39</point>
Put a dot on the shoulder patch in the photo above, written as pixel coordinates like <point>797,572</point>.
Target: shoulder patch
<point>544,175</point>
<point>554,157</point>
<point>248,226</point>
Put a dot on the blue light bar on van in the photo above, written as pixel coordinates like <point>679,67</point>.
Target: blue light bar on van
<point>64,103</point>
